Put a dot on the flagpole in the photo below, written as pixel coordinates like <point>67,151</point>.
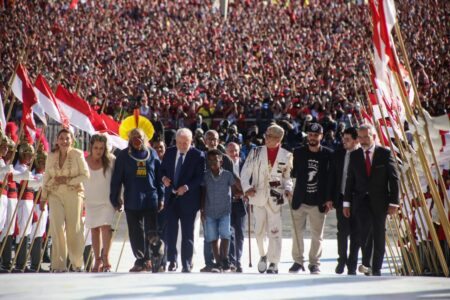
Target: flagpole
<point>38,195</point>
<point>377,125</point>
<point>22,191</point>
<point>24,235</point>
<point>428,174</point>
<point>403,154</point>
<point>35,232</point>
<point>4,183</point>
<point>22,55</point>
<point>430,258</point>
<point>420,110</point>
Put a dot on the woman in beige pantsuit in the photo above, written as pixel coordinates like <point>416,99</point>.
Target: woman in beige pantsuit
<point>66,169</point>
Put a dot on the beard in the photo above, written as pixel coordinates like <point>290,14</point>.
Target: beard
<point>313,143</point>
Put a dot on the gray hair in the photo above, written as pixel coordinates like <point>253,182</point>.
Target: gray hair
<point>210,132</point>
<point>184,132</point>
<point>276,130</point>
<point>367,127</point>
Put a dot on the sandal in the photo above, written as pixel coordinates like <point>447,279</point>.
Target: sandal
<point>98,266</point>
<point>106,267</point>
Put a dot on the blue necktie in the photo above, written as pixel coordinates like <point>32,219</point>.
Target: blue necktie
<point>177,170</point>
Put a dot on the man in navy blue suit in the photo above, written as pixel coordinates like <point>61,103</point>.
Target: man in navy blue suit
<point>182,171</point>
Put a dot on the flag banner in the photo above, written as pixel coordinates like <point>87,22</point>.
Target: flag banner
<point>48,102</point>
<point>75,108</point>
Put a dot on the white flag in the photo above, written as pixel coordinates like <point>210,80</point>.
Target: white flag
<point>2,114</point>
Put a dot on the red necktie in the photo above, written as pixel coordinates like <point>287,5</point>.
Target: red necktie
<point>368,164</point>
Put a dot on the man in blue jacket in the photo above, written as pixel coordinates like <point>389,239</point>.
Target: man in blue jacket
<point>137,168</point>
<point>182,172</point>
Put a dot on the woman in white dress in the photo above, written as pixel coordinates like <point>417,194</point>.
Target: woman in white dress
<point>99,211</point>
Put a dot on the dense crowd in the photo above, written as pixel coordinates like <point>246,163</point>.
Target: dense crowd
<point>179,58</point>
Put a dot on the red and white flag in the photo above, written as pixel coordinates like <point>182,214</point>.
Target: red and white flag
<point>113,138</point>
<point>24,92</point>
<point>2,115</point>
<point>73,4</point>
<point>386,69</point>
<point>48,102</point>
<point>75,108</point>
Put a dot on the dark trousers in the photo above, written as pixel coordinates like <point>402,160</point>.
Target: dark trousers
<point>347,227</point>
<point>142,224</point>
<point>208,254</point>
<point>35,255</point>
<point>162,231</point>
<point>375,222</point>
<point>7,252</point>
<point>238,213</point>
<point>175,215</point>
<point>22,254</point>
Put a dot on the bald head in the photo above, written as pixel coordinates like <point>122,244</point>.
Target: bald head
<point>233,151</point>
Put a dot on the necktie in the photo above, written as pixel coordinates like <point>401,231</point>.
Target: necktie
<point>368,163</point>
<point>178,170</point>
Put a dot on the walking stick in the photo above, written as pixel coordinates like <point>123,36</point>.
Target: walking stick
<point>121,251</point>
<point>249,238</point>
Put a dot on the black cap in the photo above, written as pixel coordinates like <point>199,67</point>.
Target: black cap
<point>316,128</point>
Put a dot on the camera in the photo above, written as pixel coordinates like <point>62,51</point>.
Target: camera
<point>278,197</point>
<point>274,184</point>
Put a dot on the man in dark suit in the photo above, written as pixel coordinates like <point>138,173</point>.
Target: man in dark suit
<point>238,212</point>
<point>346,226</point>
<point>311,168</point>
<point>182,171</point>
<point>371,192</point>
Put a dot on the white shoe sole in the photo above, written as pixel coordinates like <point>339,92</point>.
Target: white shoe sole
<point>262,266</point>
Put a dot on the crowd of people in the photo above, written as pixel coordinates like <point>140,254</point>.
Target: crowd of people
<point>180,58</point>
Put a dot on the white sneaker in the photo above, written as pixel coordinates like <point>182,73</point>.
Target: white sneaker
<point>262,264</point>
<point>364,269</point>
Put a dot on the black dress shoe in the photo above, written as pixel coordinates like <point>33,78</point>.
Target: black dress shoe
<point>186,270</point>
<point>376,273</point>
<point>351,272</point>
<point>340,268</point>
<point>172,267</point>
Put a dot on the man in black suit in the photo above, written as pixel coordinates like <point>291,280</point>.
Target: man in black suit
<point>182,171</point>
<point>238,212</point>
<point>371,192</point>
<point>346,226</point>
<point>311,168</point>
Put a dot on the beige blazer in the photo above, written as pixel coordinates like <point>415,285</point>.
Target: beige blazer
<point>75,168</point>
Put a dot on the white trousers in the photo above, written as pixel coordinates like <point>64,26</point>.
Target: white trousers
<point>38,231</point>
<point>24,211</point>
<point>268,224</point>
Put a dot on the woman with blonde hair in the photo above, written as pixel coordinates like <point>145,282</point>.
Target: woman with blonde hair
<point>99,211</point>
<point>66,170</point>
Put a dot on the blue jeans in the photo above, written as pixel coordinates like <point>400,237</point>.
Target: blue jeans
<point>217,227</point>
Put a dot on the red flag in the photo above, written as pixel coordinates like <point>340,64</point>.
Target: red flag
<point>110,123</point>
<point>48,101</point>
<point>75,108</point>
<point>73,4</point>
<point>24,92</point>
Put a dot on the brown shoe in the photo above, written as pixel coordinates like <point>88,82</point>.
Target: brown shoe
<point>137,268</point>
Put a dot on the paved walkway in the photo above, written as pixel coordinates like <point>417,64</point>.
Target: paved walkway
<point>249,285</point>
